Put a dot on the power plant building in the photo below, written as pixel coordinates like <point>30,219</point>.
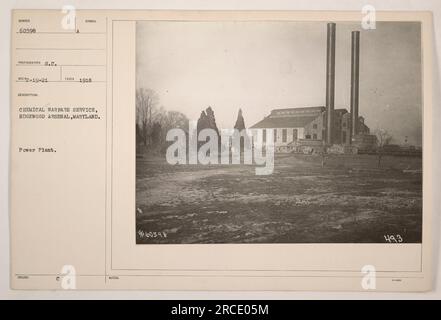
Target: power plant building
<point>307,125</point>
<point>314,128</point>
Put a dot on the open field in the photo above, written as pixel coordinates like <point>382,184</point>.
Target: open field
<point>350,200</point>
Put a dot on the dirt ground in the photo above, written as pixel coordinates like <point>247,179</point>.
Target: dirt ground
<point>350,200</point>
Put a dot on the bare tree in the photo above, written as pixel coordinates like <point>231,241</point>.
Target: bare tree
<point>383,139</point>
<point>171,120</point>
<point>153,121</point>
<point>146,105</point>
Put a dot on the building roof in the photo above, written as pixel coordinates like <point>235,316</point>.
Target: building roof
<point>293,117</point>
<point>284,122</point>
<point>290,117</point>
<point>299,110</point>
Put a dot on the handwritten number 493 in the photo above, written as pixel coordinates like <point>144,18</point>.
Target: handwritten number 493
<point>390,238</point>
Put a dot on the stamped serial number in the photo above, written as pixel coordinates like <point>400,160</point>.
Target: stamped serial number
<point>151,234</point>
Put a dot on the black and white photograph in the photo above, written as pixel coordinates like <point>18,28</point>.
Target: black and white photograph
<point>268,132</point>
<point>222,151</point>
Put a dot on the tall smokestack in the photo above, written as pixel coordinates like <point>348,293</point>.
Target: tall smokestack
<point>330,83</point>
<point>355,72</point>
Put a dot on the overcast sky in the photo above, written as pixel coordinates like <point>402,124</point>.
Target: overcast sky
<point>260,66</point>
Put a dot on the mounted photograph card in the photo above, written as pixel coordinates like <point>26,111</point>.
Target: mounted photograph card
<point>221,150</point>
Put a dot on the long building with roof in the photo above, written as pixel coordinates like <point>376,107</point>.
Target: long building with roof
<point>307,126</point>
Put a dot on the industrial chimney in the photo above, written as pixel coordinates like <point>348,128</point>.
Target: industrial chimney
<point>330,83</point>
<point>355,68</point>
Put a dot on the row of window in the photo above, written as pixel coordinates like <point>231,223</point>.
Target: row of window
<point>284,134</point>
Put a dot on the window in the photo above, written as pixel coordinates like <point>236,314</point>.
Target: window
<point>314,126</point>
<point>275,135</point>
<point>264,135</point>
<point>344,136</point>
<point>308,136</point>
<point>284,135</point>
<point>294,135</point>
<point>314,136</point>
<point>344,124</point>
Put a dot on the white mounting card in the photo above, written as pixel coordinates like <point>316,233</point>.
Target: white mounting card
<point>221,150</point>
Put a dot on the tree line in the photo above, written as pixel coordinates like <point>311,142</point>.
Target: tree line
<point>153,121</point>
